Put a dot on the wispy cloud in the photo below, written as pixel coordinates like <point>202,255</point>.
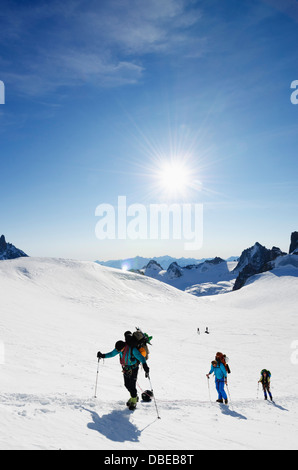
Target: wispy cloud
<point>52,44</point>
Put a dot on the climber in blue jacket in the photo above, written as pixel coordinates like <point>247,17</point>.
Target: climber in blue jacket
<point>220,373</point>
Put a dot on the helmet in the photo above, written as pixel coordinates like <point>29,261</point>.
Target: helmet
<point>119,345</point>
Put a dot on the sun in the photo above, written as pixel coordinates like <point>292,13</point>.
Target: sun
<point>173,177</point>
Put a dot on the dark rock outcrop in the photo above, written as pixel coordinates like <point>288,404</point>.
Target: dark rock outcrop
<point>255,260</point>
<point>9,251</point>
<point>294,243</point>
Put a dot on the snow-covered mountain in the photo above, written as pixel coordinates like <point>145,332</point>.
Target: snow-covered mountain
<point>209,277</point>
<point>9,251</point>
<point>217,276</point>
<point>56,315</point>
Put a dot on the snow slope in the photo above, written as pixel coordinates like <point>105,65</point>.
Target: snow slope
<point>56,314</point>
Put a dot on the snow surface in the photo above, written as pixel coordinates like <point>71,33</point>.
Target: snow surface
<point>56,314</point>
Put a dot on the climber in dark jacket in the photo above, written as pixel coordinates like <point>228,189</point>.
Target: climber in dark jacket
<point>265,380</point>
<point>130,358</point>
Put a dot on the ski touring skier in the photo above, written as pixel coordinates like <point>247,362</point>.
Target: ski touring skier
<point>130,359</point>
<point>220,373</point>
<point>265,380</point>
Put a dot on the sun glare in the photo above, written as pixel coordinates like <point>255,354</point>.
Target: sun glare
<point>174,177</point>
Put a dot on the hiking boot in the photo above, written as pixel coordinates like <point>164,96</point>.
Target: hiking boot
<point>132,403</point>
<point>226,401</point>
<point>219,401</point>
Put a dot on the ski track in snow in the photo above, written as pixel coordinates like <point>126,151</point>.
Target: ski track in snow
<point>217,424</point>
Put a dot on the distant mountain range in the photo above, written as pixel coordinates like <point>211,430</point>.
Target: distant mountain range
<point>197,277</point>
<point>211,276</point>
<point>139,262</point>
<point>206,278</point>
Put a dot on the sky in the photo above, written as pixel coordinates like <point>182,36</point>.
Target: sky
<point>185,102</point>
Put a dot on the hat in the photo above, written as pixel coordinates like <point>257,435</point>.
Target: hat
<point>119,345</point>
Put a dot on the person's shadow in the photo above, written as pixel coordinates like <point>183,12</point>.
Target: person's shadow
<point>114,426</point>
<point>278,406</point>
<point>230,412</point>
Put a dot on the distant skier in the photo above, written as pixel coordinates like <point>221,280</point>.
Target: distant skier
<point>198,331</point>
<point>130,358</point>
<point>207,331</point>
<point>265,380</point>
<point>220,374</point>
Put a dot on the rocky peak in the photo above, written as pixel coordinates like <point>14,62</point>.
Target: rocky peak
<point>215,261</point>
<point>154,265</point>
<point>174,270</point>
<point>3,243</point>
<point>294,243</point>
<point>256,256</point>
<point>9,251</point>
<point>152,269</point>
<point>255,260</point>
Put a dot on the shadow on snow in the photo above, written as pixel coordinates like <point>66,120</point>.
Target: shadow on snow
<point>115,426</point>
<point>227,411</point>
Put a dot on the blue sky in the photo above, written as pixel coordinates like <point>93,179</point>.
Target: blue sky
<point>98,93</point>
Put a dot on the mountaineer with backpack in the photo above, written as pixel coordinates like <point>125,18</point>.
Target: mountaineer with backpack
<point>223,359</point>
<point>265,380</point>
<point>132,352</point>
<point>220,374</point>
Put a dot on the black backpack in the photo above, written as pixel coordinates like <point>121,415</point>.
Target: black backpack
<point>268,376</point>
<point>138,340</point>
<point>147,395</point>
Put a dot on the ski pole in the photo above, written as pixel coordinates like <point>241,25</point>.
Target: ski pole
<point>154,399</point>
<point>96,379</point>
<point>209,389</point>
<point>258,390</point>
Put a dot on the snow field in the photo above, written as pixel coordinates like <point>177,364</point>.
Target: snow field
<point>56,315</point>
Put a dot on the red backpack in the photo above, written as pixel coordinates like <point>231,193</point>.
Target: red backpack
<point>220,357</point>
